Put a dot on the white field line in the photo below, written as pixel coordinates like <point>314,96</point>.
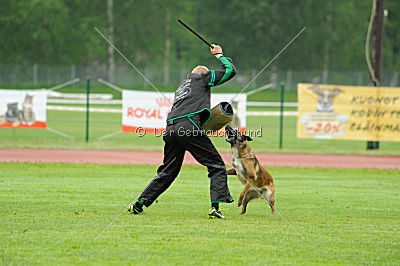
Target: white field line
<point>60,133</point>
<point>110,135</point>
<point>265,87</point>
<point>65,84</point>
<point>99,96</point>
<point>83,101</point>
<point>109,84</point>
<point>83,109</point>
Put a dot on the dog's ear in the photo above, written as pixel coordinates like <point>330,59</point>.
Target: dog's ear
<point>248,138</point>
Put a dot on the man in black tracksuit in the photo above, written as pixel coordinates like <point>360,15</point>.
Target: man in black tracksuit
<point>191,109</point>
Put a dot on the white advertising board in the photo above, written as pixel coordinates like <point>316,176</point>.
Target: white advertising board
<point>23,108</point>
<point>147,111</point>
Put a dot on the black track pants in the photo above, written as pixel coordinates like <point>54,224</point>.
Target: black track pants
<point>181,137</point>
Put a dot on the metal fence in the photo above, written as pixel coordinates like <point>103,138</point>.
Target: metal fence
<point>45,75</point>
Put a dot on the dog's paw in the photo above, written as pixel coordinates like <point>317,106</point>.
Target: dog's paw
<point>239,204</point>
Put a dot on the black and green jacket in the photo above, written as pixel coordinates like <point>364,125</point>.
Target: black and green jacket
<point>193,95</point>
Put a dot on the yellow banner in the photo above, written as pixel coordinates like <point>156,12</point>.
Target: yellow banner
<point>348,112</point>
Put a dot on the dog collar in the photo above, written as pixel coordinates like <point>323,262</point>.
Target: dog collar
<point>250,155</point>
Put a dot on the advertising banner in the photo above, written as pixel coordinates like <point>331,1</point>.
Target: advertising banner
<point>348,112</point>
<point>23,108</point>
<point>147,111</point>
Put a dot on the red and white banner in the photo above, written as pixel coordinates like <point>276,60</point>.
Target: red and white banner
<point>23,108</point>
<point>146,112</point>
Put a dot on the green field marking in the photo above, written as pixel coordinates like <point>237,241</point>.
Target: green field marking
<point>52,212</point>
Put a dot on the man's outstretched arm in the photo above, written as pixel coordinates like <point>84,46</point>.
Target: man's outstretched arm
<point>228,70</point>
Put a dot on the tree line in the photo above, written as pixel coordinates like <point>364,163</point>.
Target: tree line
<point>61,32</point>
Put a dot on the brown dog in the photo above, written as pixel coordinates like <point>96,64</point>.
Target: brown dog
<point>258,182</point>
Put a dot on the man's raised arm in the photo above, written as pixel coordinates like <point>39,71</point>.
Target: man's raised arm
<point>228,71</point>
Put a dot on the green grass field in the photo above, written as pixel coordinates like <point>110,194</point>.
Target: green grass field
<point>52,212</point>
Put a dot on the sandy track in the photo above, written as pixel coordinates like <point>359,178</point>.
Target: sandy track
<point>155,157</point>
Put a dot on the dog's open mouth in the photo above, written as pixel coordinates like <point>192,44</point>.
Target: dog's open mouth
<point>231,134</point>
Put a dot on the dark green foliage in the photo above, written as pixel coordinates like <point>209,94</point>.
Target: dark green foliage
<point>62,32</point>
